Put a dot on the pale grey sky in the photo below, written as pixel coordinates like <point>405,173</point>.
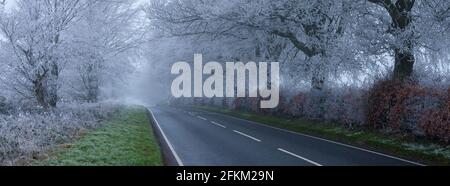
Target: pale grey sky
<point>10,4</point>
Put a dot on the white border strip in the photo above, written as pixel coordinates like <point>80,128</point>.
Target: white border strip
<point>337,143</point>
<point>177,158</point>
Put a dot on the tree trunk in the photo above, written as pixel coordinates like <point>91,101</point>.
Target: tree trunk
<point>319,73</point>
<point>92,95</point>
<point>93,88</point>
<point>400,12</point>
<point>224,102</point>
<point>53,85</point>
<point>318,81</point>
<point>40,91</point>
<point>404,56</point>
<point>318,90</point>
<point>91,82</point>
<point>404,64</point>
<point>54,76</point>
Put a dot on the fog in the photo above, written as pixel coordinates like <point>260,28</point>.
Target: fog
<point>383,64</point>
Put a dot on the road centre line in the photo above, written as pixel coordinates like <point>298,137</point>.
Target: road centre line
<point>300,157</point>
<point>220,125</point>
<point>248,136</point>
<point>325,140</point>
<point>202,118</point>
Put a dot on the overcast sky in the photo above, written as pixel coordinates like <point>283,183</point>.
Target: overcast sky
<point>10,4</point>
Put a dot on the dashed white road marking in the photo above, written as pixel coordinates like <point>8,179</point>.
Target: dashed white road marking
<point>297,156</point>
<point>326,140</point>
<point>248,136</point>
<point>202,118</point>
<point>220,125</point>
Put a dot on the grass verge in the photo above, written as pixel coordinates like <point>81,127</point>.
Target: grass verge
<point>407,147</point>
<point>126,140</point>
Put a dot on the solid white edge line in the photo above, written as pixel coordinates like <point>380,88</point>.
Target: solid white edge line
<point>337,143</point>
<point>202,118</point>
<point>177,158</point>
<point>248,136</point>
<point>297,156</point>
<point>220,125</point>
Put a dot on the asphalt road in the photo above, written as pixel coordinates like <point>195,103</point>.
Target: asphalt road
<point>200,138</point>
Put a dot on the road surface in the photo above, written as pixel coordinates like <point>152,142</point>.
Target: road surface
<point>200,138</point>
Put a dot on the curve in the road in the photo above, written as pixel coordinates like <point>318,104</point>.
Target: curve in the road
<point>204,138</point>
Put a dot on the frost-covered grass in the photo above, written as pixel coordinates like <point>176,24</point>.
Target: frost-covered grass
<point>126,140</point>
<point>429,149</point>
<point>28,135</point>
<point>404,146</point>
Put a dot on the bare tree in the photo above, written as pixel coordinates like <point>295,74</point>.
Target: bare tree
<point>106,33</point>
<point>312,27</point>
<point>404,28</point>
<point>33,33</point>
<point>401,15</point>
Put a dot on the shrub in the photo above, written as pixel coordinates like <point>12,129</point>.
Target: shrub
<point>399,106</point>
<point>254,104</point>
<point>436,122</point>
<point>314,107</point>
<point>338,105</point>
<point>296,107</point>
<point>238,103</point>
<point>381,100</point>
<point>349,105</point>
<point>26,135</point>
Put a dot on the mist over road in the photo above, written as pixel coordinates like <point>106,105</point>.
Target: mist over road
<point>200,138</point>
